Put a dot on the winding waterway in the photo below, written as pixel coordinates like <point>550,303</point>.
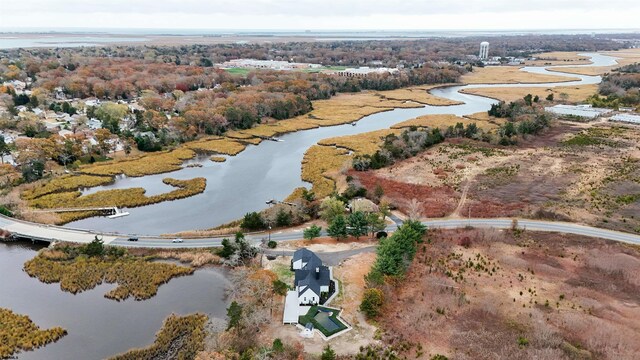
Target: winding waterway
<point>99,327</point>
<point>272,170</point>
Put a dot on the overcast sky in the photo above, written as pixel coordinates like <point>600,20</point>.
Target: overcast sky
<point>321,14</point>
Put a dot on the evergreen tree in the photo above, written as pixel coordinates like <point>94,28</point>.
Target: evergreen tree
<point>234,315</point>
<point>338,228</point>
<point>357,222</point>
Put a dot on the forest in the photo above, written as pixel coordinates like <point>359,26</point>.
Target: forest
<point>619,88</point>
<point>349,53</point>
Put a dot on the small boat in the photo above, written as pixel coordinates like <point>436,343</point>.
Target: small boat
<point>276,139</point>
<point>353,124</point>
<point>118,213</point>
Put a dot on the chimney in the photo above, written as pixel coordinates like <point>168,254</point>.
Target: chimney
<point>317,273</point>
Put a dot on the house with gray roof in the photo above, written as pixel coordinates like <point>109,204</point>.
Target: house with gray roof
<point>313,285</point>
<point>312,278</point>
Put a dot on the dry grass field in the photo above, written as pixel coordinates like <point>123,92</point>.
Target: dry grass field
<point>508,75</point>
<point>418,94</point>
<point>559,58</point>
<point>516,295</point>
<point>626,56</point>
<point>587,173</point>
<point>589,70</point>
<point>366,143</point>
<point>443,121</point>
<point>574,93</point>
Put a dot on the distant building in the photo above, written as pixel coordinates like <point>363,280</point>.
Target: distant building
<point>627,118</point>
<point>365,70</point>
<point>267,64</point>
<point>582,111</point>
<point>484,50</point>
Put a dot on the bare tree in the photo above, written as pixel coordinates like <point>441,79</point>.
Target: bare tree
<point>414,209</point>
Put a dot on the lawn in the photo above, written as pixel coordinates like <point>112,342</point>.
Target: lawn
<point>283,272</point>
<point>321,320</point>
<point>238,71</point>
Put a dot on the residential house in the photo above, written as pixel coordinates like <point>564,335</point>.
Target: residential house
<point>363,205</point>
<point>313,285</point>
<point>312,277</point>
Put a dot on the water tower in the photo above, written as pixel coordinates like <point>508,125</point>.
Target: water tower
<point>484,50</point>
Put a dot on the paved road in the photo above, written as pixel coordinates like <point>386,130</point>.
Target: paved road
<point>57,233</point>
<point>333,258</point>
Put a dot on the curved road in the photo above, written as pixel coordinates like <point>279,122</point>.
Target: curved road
<point>57,233</point>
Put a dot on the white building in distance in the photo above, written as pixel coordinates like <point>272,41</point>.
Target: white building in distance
<point>365,70</point>
<point>484,50</point>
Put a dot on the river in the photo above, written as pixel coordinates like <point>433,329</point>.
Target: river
<point>272,170</point>
<point>98,327</point>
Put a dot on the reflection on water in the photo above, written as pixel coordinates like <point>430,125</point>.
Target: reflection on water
<point>271,170</point>
<point>99,327</point>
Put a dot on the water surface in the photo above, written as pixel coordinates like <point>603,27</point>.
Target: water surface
<point>98,327</point>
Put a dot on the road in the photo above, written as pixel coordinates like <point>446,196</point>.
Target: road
<point>58,233</point>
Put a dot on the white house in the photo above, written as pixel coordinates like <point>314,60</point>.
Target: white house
<point>312,280</point>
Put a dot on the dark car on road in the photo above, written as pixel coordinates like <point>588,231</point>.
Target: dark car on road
<point>132,239</point>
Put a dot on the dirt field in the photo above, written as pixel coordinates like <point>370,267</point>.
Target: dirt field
<point>587,173</point>
<point>508,75</point>
<point>516,295</point>
<point>574,93</point>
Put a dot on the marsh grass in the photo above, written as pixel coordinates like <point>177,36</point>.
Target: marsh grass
<point>19,333</point>
<point>136,277</point>
<point>131,197</point>
<point>181,337</point>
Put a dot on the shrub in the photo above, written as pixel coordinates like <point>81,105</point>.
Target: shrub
<point>272,244</point>
<point>6,212</point>
<point>396,252</point>
<point>253,221</point>
<point>465,242</point>
<point>312,232</point>
<point>234,315</point>
<point>372,302</point>
<point>439,357</point>
<point>277,345</point>
<point>279,287</point>
<point>283,218</point>
<point>328,353</point>
<point>523,341</point>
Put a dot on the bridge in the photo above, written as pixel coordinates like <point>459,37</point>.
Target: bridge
<point>51,233</point>
<point>110,210</point>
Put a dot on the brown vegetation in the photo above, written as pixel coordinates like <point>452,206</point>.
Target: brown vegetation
<point>131,197</point>
<point>573,93</point>
<point>135,276</point>
<point>181,337</point>
<point>507,75</point>
<point>19,333</point>
<point>516,295</point>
